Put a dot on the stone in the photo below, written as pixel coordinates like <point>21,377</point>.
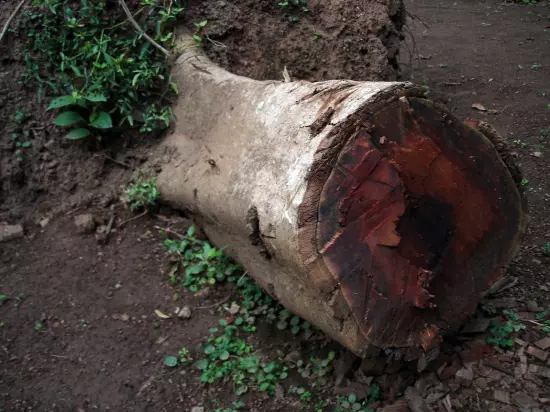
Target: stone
<point>543,343</point>
<point>539,370</point>
<point>44,222</point>
<point>523,400</point>
<point>203,293</point>
<point>501,396</point>
<point>184,313</point>
<point>415,401</point>
<point>197,409</point>
<point>532,306</point>
<point>537,353</point>
<point>85,223</point>
<point>476,325</point>
<point>10,232</point>
<point>464,376</point>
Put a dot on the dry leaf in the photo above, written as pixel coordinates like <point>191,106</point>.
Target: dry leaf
<point>161,315</point>
<point>479,107</point>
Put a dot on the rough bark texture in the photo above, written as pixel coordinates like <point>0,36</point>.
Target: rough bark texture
<point>361,206</point>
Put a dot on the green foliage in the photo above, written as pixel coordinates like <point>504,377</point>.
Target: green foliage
<point>542,322</point>
<point>352,404</point>
<point>235,408</point>
<point>316,368</point>
<point>546,249</point>
<point>298,4</point>
<point>170,361</point>
<point>230,358</point>
<point>199,31</point>
<point>20,116</point>
<point>20,145</point>
<point>183,358</point>
<point>500,333</point>
<point>198,263</point>
<point>143,194</point>
<point>103,71</point>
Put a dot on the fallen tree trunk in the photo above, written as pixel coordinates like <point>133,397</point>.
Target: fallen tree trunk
<point>361,206</point>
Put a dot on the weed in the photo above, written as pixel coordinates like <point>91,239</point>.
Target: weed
<point>320,406</point>
<point>524,182</point>
<point>351,403</point>
<point>500,334</point>
<point>546,249</point>
<point>520,143</point>
<point>20,116</point>
<point>102,71</point>
<point>536,66</point>
<point>315,35</point>
<point>199,31</point>
<point>229,357</point>
<point>235,408</point>
<point>1,324</point>
<point>198,263</point>
<point>20,145</point>
<point>3,298</point>
<point>170,361</point>
<point>316,369</point>
<point>184,356</point>
<point>301,4</point>
<point>542,322</point>
<point>19,300</point>
<point>38,325</point>
<point>545,132</point>
<point>143,194</point>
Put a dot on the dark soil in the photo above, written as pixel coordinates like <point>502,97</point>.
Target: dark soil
<point>332,40</point>
<point>85,337</point>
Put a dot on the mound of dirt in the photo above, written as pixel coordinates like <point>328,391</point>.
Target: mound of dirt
<point>342,39</point>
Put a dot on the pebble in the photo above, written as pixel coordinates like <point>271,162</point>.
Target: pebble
<point>10,232</point>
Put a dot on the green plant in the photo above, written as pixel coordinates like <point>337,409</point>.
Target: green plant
<point>546,249</point>
<point>351,403</point>
<point>542,322</point>
<point>316,368</point>
<point>20,116</point>
<point>3,298</point>
<point>229,357</point>
<point>38,325</point>
<point>143,194</point>
<point>19,299</point>
<point>198,263</point>
<point>19,146</point>
<point>524,182</point>
<point>301,4</point>
<point>320,405</point>
<point>235,408</point>
<point>500,333</point>
<point>170,361</point>
<point>103,72</point>
<point>199,31</point>
<point>184,356</point>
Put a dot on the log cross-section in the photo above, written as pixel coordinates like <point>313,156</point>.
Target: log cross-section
<point>363,207</point>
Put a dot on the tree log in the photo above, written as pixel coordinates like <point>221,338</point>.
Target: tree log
<point>363,207</point>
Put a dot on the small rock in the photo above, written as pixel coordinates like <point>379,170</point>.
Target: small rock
<point>520,342</point>
<point>464,376</point>
<point>415,401</point>
<point>203,293</point>
<point>184,313</point>
<point>543,343</point>
<point>123,317</point>
<point>197,409</point>
<point>536,261</point>
<point>532,306</point>
<point>477,325</point>
<point>537,353</point>
<point>501,396</point>
<point>537,154</point>
<point>523,400</point>
<point>85,223</point>
<point>234,308</point>
<point>44,222</point>
<point>10,232</point>
<point>539,370</point>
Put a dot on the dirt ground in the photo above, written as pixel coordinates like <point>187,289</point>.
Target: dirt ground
<point>79,331</point>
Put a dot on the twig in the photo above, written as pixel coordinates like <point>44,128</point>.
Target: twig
<point>215,304</point>
<point>132,218</point>
<point>7,25</point>
<point>59,356</point>
<point>139,29</point>
<point>415,17</point>
<point>170,231</point>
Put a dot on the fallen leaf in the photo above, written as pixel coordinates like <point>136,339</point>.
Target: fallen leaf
<point>161,315</point>
<point>479,107</point>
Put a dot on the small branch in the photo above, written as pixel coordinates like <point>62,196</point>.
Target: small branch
<point>139,29</point>
<point>215,304</point>
<point>133,218</point>
<point>7,25</point>
<point>170,231</point>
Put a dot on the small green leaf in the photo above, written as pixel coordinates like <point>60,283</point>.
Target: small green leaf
<point>209,349</point>
<point>103,121</point>
<point>191,231</point>
<point>356,406</point>
<point>352,398</point>
<point>202,23</point>
<point>224,355</point>
<point>3,298</point>
<point>95,97</point>
<point>283,375</point>
<point>241,390</point>
<point>170,361</point>
<point>62,101</point>
<point>202,364</point>
<point>67,119</point>
<point>264,386</point>
<point>76,134</point>
<point>282,325</point>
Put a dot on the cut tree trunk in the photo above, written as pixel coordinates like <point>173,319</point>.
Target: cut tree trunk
<point>363,207</point>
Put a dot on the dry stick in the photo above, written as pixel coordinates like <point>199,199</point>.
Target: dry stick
<point>139,29</point>
<point>215,304</point>
<point>170,231</point>
<point>132,218</point>
<point>5,29</point>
